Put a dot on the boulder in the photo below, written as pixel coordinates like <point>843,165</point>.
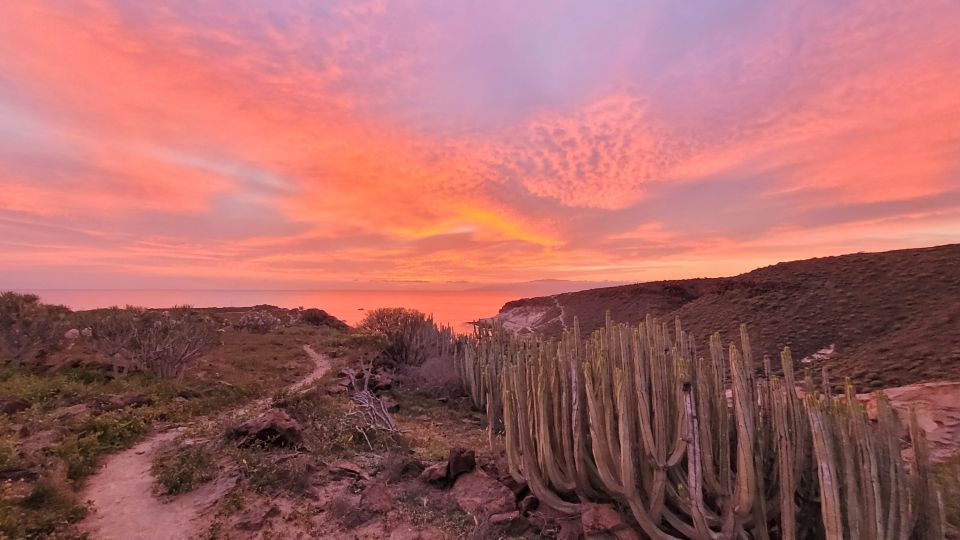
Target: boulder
<point>376,499</point>
<point>602,521</point>
<point>274,427</point>
<point>460,461</point>
<point>13,404</point>
<point>72,333</point>
<point>87,332</point>
<point>479,494</point>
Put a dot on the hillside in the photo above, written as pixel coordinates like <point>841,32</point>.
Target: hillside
<point>891,318</point>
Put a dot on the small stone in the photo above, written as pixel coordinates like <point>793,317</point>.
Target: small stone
<point>343,469</point>
<point>529,504</point>
<point>435,474</point>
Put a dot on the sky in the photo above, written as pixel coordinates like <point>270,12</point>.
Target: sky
<point>305,144</point>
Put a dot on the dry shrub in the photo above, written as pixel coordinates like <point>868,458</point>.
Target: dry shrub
<point>159,342</point>
<point>408,333</point>
<point>267,471</point>
<point>259,321</point>
<point>29,328</point>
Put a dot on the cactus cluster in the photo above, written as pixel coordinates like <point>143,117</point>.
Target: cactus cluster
<point>695,446</point>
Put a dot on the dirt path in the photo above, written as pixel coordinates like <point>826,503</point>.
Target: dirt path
<point>122,490</point>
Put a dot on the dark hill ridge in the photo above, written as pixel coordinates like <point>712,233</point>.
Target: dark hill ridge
<point>892,317</point>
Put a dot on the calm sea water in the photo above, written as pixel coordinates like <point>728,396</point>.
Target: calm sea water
<point>455,308</point>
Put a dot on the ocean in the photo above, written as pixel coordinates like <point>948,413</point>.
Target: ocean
<point>456,308</point>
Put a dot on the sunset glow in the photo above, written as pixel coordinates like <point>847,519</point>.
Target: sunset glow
<point>343,144</point>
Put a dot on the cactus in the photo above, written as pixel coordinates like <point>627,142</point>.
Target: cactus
<point>632,414</point>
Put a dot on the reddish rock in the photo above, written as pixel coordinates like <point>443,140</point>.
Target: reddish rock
<point>509,523</point>
<point>343,469</point>
<point>376,499</point>
<point>274,427</point>
<point>435,474</point>
<point>603,521</point>
<point>460,461</point>
<point>478,494</point>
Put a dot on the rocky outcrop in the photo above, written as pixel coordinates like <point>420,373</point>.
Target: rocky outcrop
<point>937,405</point>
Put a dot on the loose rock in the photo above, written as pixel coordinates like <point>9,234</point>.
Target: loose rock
<point>274,427</point>
<point>435,474</point>
<point>602,521</point>
<point>478,494</point>
<point>460,461</point>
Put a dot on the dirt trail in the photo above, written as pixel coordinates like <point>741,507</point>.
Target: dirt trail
<point>125,507</point>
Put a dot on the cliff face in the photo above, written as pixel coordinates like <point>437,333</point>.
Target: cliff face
<point>883,319</point>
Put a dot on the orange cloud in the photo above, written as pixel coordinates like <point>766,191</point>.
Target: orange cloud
<point>297,143</point>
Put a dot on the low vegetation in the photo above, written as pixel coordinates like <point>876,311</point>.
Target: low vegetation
<point>65,405</point>
<point>411,337</point>
<point>180,468</point>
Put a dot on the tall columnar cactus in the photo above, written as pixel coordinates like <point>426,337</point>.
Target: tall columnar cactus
<point>695,447</point>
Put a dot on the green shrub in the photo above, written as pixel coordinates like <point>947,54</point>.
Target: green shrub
<point>266,471</point>
<point>180,468</point>
<point>101,435</point>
